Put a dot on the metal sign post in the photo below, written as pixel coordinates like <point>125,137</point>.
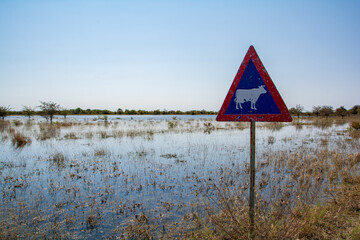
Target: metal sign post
<point>252,178</point>
<point>253,97</point>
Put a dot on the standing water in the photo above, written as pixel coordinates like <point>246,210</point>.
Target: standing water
<point>91,177</point>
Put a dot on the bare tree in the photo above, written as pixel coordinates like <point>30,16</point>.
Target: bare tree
<point>299,109</point>
<point>316,110</point>
<point>49,109</point>
<point>28,111</point>
<point>4,111</point>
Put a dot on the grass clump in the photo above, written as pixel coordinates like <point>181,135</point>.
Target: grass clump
<point>208,127</point>
<point>169,155</point>
<point>93,220</point>
<point>354,130</point>
<point>17,123</point>
<point>58,159</point>
<point>172,124</point>
<point>19,140</point>
<point>71,135</point>
<point>274,126</point>
<point>48,131</point>
<point>4,125</point>
<point>322,123</point>
<point>271,140</point>
<point>100,153</point>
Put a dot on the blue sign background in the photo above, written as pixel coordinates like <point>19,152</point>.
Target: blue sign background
<point>265,104</point>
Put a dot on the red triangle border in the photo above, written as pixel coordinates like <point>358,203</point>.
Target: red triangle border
<point>284,116</point>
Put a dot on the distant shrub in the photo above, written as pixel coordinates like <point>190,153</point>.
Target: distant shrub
<point>355,125</point>
<point>103,118</point>
<point>172,124</point>
<point>4,111</point>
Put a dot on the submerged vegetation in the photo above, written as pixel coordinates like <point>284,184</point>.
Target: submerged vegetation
<point>184,178</point>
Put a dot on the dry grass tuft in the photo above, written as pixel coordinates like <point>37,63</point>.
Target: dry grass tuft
<point>48,131</point>
<point>17,123</point>
<point>71,135</point>
<point>271,140</point>
<point>58,159</point>
<point>274,126</point>
<point>63,124</point>
<point>208,127</point>
<point>4,125</point>
<point>100,153</point>
<point>19,140</point>
<point>172,124</point>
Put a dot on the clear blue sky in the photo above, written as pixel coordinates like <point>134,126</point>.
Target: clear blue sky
<point>175,54</point>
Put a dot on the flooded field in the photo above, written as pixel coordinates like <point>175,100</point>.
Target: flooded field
<point>128,177</point>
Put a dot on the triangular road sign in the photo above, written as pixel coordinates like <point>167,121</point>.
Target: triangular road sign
<point>252,95</point>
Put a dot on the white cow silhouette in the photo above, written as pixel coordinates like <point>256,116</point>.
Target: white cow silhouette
<point>248,95</point>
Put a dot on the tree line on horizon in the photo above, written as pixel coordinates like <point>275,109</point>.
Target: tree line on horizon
<point>325,111</point>
<point>49,109</point>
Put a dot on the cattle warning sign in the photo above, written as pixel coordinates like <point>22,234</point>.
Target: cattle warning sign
<point>252,95</point>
